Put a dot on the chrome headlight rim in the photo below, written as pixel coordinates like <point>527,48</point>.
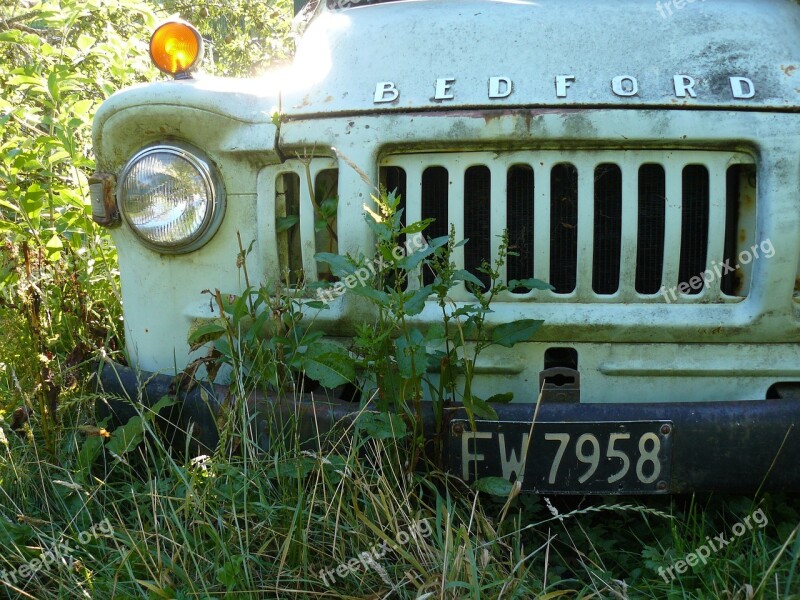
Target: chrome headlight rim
<point>216,196</point>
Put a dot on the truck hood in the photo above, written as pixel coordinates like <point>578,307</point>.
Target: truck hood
<point>446,54</point>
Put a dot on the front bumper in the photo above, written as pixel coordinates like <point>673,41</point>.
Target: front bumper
<point>737,446</point>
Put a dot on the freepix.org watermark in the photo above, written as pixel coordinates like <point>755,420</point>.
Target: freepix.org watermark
<point>369,559</point>
<point>60,553</point>
<point>665,8</point>
<point>717,271</point>
<point>363,274</point>
<point>702,554</point>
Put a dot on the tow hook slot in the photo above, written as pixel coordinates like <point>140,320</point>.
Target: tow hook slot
<point>560,384</point>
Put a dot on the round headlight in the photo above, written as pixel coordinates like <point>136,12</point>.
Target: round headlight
<point>170,198</point>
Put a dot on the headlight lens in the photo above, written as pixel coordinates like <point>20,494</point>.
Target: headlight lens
<point>170,198</point>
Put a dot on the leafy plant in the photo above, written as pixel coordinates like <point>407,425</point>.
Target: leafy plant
<point>58,282</point>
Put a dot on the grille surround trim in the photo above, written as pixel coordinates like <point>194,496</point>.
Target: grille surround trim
<point>717,162</point>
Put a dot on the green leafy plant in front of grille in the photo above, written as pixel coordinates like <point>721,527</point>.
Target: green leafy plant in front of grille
<point>401,364</point>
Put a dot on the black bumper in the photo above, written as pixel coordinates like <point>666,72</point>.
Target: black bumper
<point>717,446</point>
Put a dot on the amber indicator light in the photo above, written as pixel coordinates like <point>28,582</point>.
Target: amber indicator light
<point>176,47</point>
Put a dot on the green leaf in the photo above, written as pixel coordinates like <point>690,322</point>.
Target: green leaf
<point>383,426</point>
<point>341,266</point>
<point>58,156</point>
<point>126,438</point>
<point>285,223</point>
<point>412,360</point>
<point>12,35</point>
<point>496,486</point>
<point>82,107</point>
<point>164,402</point>
<point>90,450</point>
<point>415,304</point>
<point>230,573</point>
<point>328,208</point>
<point>466,276</point>
<point>329,364</point>
<point>512,333</point>
<point>479,408</point>
<point>439,241</point>
<point>435,334</point>
<point>54,247</point>
<point>501,398</point>
<point>32,201</point>
<point>295,468</point>
<point>470,310</point>
<point>52,85</point>
<point>377,296</point>
<point>84,42</point>
<point>410,261</point>
<point>417,227</point>
<point>316,304</point>
<point>529,284</point>
<point>207,331</point>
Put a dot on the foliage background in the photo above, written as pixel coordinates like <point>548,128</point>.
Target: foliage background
<point>59,297</point>
<point>231,524</point>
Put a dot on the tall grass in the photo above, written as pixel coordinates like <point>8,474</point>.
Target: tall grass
<point>90,512</point>
<point>278,524</point>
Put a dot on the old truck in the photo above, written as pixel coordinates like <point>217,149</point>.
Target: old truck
<point>643,158</point>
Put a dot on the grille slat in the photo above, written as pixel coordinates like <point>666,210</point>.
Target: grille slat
<point>717,209</point>
<point>672,224</point>
<point>434,199</point>
<point>694,227</point>
<point>541,220</point>
<point>563,227</point>
<point>605,226</point>
<point>498,221</point>
<point>650,233</point>
<point>477,220</point>
<point>455,209</point>
<point>586,217</point>
<point>413,208</point>
<point>630,226</point>
<point>519,221</point>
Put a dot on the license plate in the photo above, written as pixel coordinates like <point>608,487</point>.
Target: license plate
<point>586,458</point>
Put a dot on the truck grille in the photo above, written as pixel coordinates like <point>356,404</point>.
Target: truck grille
<point>599,226</point>
<point>294,223</point>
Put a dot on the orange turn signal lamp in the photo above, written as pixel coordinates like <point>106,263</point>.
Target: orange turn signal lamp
<point>176,48</point>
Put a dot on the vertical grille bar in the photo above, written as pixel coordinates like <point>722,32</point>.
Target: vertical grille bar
<point>717,208</point>
<point>271,206</point>
<point>308,234</point>
<point>455,209</point>
<point>630,224</point>
<point>672,222</point>
<point>541,220</point>
<point>414,208</point>
<point>499,207</point>
<point>586,217</point>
